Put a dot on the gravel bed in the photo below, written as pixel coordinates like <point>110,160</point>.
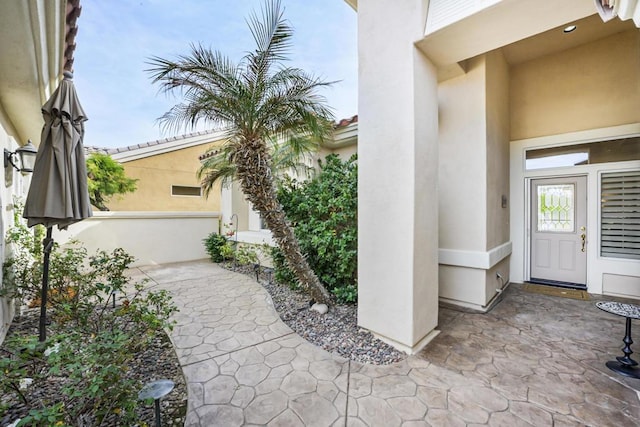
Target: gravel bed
<point>158,361</point>
<point>336,331</point>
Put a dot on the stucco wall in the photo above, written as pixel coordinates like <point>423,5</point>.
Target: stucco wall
<point>592,86</point>
<point>157,174</point>
<point>6,305</point>
<point>462,173</point>
<point>397,175</point>
<point>343,152</point>
<point>151,237</point>
<point>474,175</point>
<point>240,207</point>
<point>497,124</point>
<point>13,184</point>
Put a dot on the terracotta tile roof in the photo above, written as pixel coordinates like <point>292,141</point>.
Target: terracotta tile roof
<point>73,12</point>
<point>208,154</point>
<point>346,122</point>
<point>111,151</point>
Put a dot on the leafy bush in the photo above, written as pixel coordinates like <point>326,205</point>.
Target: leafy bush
<point>346,294</point>
<point>247,254</point>
<point>92,344</point>
<point>24,250</point>
<point>217,246</point>
<point>282,273</point>
<point>324,214</point>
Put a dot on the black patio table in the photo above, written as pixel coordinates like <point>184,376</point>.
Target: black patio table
<point>624,365</point>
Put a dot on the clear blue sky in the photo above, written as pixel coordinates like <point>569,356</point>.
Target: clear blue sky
<point>117,37</point>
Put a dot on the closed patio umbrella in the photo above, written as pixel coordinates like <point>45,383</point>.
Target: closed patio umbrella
<point>58,192</point>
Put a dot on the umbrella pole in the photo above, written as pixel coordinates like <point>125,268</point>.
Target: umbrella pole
<point>47,244</point>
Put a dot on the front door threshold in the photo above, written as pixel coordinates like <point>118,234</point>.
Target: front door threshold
<point>558,283</point>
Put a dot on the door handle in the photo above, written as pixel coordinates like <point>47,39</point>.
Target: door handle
<point>583,237</point>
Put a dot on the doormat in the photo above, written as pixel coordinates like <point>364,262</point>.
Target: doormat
<point>557,292</point>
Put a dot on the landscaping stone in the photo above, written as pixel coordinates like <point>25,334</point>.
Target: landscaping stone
<point>320,308</point>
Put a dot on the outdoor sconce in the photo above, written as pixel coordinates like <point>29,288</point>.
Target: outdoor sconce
<point>26,153</point>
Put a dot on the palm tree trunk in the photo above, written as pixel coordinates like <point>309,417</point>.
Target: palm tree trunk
<point>254,172</point>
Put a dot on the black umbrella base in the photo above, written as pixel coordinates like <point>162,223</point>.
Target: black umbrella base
<point>624,369</point>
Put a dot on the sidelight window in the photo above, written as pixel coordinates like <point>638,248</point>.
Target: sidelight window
<point>620,215</point>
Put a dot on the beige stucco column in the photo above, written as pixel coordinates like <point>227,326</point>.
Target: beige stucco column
<point>398,173</point>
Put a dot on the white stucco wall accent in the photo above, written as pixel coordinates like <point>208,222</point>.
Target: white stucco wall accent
<point>151,237</point>
<point>226,203</point>
<point>462,286</point>
<point>473,288</point>
<point>474,259</point>
<point>397,182</point>
<point>262,237</point>
<point>620,285</point>
<point>600,270</point>
<point>254,219</point>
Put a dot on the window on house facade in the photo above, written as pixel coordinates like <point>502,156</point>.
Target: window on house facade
<point>183,190</point>
<point>620,215</point>
<point>617,150</point>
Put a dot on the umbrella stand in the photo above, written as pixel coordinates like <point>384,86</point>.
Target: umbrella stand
<point>47,244</point>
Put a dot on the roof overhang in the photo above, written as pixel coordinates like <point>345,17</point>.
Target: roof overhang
<point>32,43</point>
<point>493,27</point>
<point>344,136</point>
<point>162,146</point>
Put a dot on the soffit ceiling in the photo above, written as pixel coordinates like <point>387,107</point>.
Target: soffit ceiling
<point>32,43</point>
<point>588,30</point>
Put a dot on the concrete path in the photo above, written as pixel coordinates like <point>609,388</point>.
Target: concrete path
<point>533,361</point>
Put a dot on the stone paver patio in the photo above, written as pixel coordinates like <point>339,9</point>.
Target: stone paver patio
<point>535,360</point>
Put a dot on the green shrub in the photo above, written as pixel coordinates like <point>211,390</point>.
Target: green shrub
<point>324,214</point>
<point>346,294</point>
<point>227,252</point>
<point>24,250</point>
<point>91,344</point>
<point>281,273</point>
<point>217,246</point>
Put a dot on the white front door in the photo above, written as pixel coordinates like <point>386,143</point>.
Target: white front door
<point>558,231</point>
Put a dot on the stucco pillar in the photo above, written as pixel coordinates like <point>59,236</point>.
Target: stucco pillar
<point>398,173</point>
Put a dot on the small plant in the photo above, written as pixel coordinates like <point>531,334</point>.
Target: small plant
<point>247,254</point>
<point>346,294</point>
<point>227,252</point>
<point>24,250</point>
<point>215,245</point>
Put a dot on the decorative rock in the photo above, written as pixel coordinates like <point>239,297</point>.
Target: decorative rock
<point>320,308</point>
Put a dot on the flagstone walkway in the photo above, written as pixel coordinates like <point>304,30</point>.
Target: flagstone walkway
<point>535,360</point>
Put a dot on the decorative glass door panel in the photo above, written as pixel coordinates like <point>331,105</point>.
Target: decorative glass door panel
<point>556,208</point>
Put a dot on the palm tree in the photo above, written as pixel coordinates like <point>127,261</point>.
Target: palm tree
<point>257,101</point>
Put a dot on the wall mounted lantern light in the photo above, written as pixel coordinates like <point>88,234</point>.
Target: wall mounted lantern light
<point>26,153</point>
